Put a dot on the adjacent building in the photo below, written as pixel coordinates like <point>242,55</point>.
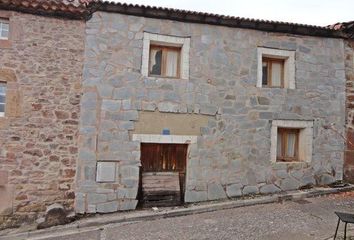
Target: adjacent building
<point>108,105</point>
<point>41,61</point>
<point>348,28</point>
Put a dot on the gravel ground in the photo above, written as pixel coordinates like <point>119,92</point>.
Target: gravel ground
<point>307,219</point>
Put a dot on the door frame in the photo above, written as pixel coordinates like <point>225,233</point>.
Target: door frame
<point>169,139</point>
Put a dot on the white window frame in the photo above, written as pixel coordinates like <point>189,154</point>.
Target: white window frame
<point>305,139</point>
<point>4,21</point>
<point>289,65</point>
<point>2,114</point>
<point>165,40</point>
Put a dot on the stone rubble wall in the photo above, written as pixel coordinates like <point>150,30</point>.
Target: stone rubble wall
<point>349,72</point>
<point>232,156</point>
<point>39,150</point>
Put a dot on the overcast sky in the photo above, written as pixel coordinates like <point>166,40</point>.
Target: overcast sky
<point>317,12</point>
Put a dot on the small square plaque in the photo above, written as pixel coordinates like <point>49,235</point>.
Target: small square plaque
<point>106,172</point>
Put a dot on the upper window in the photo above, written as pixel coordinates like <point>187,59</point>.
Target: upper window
<point>4,29</point>
<point>276,68</point>
<point>2,98</point>
<point>165,56</point>
<point>288,145</point>
<point>272,72</point>
<point>164,61</point>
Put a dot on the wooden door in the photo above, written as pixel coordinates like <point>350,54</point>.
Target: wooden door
<point>157,158</point>
<point>163,157</point>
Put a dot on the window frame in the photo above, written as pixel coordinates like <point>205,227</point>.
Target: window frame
<point>306,137</point>
<point>270,62</point>
<point>182,42</point>
<point>283,132</point>
<point>2,114</point>
<point>288,56</point>
<point>165,49</point>
<point>4,21</point>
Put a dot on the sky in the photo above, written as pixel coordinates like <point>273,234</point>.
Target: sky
<point>315,12</point>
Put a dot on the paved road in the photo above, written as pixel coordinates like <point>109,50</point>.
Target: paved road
<point>309,219</point>
<point>304,220</point>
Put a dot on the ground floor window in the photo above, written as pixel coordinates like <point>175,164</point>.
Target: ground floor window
<point>288,145</point>
<point>291,140</point>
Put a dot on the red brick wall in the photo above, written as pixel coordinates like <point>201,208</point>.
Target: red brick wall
<point>38,138</point>
<point>349,70</point>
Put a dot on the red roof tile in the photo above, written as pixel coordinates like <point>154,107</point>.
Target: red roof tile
<point>69,8</point>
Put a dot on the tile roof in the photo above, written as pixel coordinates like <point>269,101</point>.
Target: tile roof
<point>215,19</point>
<point>66,8</point>
<point>83,9</point>
<point>345,27</point>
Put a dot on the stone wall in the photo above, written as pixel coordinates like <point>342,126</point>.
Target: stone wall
<point>349,72</point>
<point>232,154</point>
<point>39,134</point>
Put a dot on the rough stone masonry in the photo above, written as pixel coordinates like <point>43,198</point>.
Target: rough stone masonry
<point>232,154</point>
<point>79,104</point>
<point>42,68</point>
<point>349,66</point>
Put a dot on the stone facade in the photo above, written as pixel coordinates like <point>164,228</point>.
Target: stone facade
<point>231,156</point>
<point>42,67</point>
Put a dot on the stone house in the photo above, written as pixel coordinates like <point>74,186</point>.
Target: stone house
<point>41,60</point>
<point>249,99</point>
<point>107,99</point>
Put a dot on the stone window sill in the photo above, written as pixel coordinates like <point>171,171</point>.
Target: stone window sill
<point>301,164</point>
<point>165,78</point>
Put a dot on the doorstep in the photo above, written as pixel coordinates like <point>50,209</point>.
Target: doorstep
<point>95,223</point>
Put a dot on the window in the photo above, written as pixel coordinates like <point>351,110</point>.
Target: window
<point>4,29</point>
<point>288,145</point>
<point>291,141</point>
<point>275,68</point>
<point>165,56</point>
<point>164,61</point>
<point>2,98</point>
<point>272,72</point>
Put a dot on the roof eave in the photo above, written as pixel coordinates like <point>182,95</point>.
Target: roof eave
<point>193,17</point>
<point>78,14</point>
